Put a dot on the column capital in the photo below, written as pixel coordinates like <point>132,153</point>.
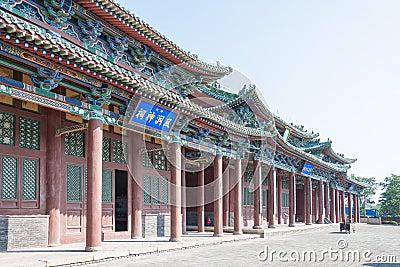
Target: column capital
<point>173,139</point>
<point>96,115</point>
<point>99,96</point>
<point>273,169</point>
<point>238,156</point>
<point>218,151</point>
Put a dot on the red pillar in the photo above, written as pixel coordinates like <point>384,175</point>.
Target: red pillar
<point>136,174</point>
<point>238,220</point>
<point>257,190</point>
<point>225,199</point>
<point>350,206</point>
<point>292,188</point>
<point>175,205</point>
<point>332,204</point>
<point>271,197</point>
<point>308,200</point>
<point>355,218</point>
<point>53,172</point>
<point>337,205</point>
<point>320,202</point>
<point>304,202</point>
<point>343,206</point>
<point>200,207</point>
<point>279,198</point>
<point>358,208</point>
<point>326,199</point>
<point>218,195</point>
<point>355,208</point>
<point>183,174</point>
<point>94,187</point>
<point>313,204</point>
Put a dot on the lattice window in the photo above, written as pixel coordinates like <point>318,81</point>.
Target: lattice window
<point>285,184</point>
<point>285,200</point>
<point>74,183</point>
<point>148,159</point>
<point>7,122</point>
<point>168,161</point>
<point>264,182</point>
<point>264,198</point>
<point>9,181</point>
<point>29,178</point>
<point>160,162</point>
<point>75,144</point>
<point>107,189</point>
<point>29,133</point>
<point>106,148</point>
<point>118,151</point>
<point>164,190</point>
<point>251,198</point>
<point>85,179</point>
<point>147,189</point>
<point>245,193</point>
<point>156,190</point>
<point>248,176</point>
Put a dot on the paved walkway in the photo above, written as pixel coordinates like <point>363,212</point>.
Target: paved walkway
<point>119,249</point>
<point>370,245</point>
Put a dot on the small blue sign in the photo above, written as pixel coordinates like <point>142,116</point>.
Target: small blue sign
<point>154,116</point>
<point>307,169</point>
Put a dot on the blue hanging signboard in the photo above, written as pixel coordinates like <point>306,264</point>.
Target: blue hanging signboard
<point>154,116</point>
<point>307,169</point>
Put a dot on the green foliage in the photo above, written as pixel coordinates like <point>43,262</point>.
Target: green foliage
<point>389,222</point>
<point>366,194</point>
<point>390,198</point>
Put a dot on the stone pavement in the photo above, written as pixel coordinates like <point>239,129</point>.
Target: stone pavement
<point>73,254</point>
<point>369,246</point>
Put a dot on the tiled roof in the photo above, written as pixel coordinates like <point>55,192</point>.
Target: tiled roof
<point>125,20</point>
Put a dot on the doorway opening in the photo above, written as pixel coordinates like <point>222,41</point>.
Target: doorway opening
<point>121,204</point>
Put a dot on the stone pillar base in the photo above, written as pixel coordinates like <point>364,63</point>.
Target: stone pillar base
<point>257,227</point>
<point>218,235</point>
<point>93,249</point>
<point>174,239</point>
<point>291,225</point>
<point>238,233</point>
<point>308,223</point>
<point>271,226</point>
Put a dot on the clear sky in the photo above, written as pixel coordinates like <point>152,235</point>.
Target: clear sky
<point>332,66</point>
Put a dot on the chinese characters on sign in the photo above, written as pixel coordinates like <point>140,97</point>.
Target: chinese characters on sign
<point>154,116</point>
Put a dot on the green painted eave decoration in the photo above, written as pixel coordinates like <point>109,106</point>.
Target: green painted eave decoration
<point>309,157</point>
<point>56,101</point>
<point>152,34</point>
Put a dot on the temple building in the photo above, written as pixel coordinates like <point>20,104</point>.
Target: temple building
<point>108,130</point>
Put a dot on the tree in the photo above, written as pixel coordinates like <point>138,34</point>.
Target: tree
<point>390,197</point>
<point>367,192</point>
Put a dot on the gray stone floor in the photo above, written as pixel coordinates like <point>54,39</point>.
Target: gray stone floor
<point>369,241</point>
